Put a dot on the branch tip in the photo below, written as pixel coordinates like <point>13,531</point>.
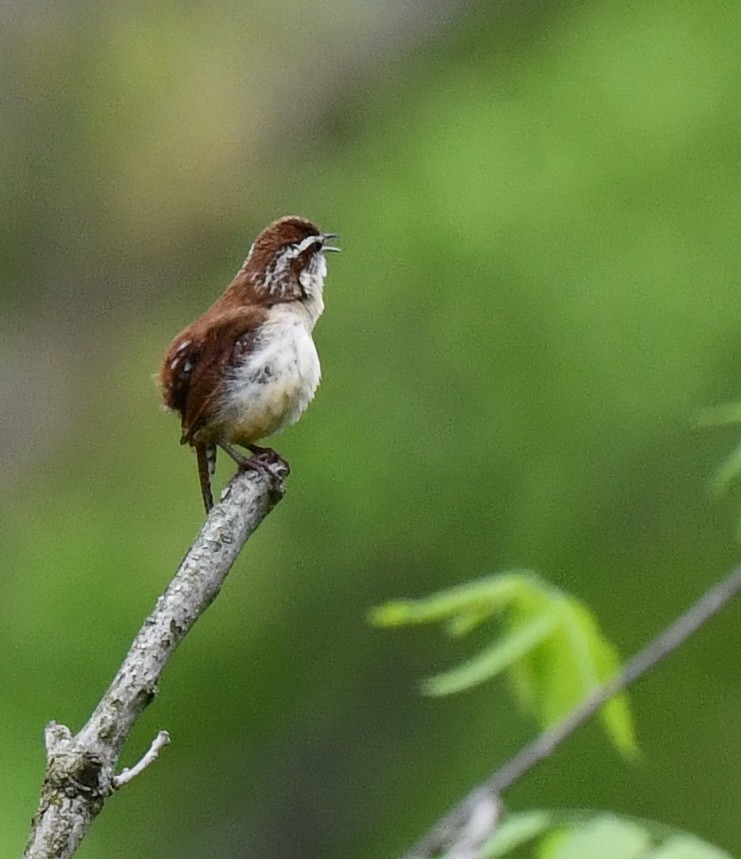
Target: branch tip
<point>55,736</point>
<point>127,774</point>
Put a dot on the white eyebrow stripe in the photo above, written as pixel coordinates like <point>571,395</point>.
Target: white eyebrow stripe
<point>307,243</point>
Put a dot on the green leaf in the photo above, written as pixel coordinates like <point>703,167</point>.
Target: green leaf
<point>599,656</point>
<point>607,837</point>
<point>547,642</point>
<point>558,674</point>
<point>493,660</point>
<point>569,834</point>
<point>684,846</point>
<point>474,600</point>
<point>551,842</point>
<point>514,831</point>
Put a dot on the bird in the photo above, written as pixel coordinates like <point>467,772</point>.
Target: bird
<point>248,367</point>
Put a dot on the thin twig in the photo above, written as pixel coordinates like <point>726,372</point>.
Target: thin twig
<point>443,835</point>
<point>80,769</point>
<point>128,773</point>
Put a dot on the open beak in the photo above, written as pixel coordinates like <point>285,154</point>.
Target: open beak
<point>325,237</point>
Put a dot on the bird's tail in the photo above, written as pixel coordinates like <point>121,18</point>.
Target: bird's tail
<point>206,455</point>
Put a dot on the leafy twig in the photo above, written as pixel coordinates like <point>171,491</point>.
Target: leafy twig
<point>447,833</point>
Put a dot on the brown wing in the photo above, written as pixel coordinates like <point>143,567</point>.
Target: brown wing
<point>194,368</point>
<point>177,367</point>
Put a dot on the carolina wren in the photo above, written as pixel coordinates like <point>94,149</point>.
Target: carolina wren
<point>248,367</point>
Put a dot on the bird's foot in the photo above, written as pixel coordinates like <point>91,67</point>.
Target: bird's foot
<point>268,461</point>
<point>269,456</point>
<point>263,459</point>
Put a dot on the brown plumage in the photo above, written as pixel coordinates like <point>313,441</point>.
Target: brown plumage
<point>248,367</point>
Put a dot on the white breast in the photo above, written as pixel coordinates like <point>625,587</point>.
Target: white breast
<point>275,383</point>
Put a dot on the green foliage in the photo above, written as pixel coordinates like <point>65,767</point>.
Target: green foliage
<point>539,209</point>
<point>585,835</point>
<point>516,830</point>
<point>548,643</point>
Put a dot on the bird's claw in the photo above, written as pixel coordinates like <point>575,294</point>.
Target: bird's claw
<point>268,462</point>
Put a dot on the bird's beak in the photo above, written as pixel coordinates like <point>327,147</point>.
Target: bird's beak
<point>325,237</point>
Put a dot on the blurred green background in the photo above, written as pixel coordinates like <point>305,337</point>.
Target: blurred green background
<point>540,207</point>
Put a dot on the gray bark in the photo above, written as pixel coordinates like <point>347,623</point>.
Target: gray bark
<point>80,768</point>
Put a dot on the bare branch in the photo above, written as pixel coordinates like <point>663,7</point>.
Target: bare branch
<point>446,833</point>
<point>80,769</point>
